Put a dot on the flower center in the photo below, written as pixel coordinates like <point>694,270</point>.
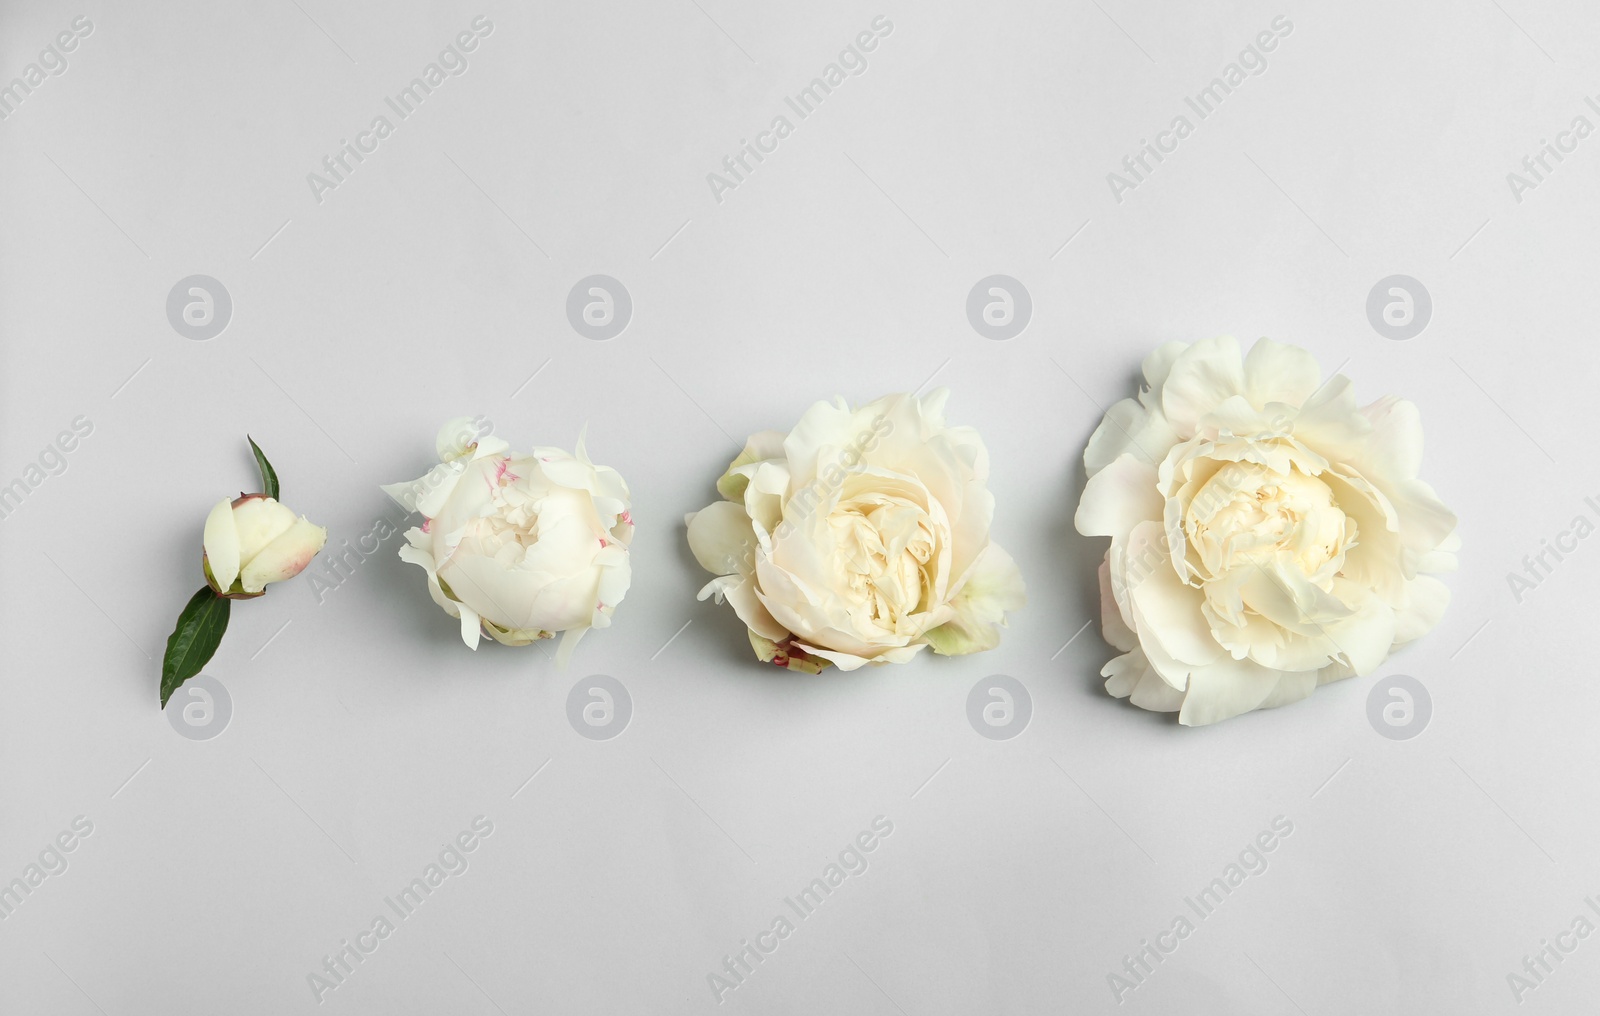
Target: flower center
<point>884,547</point>
<point>1247,515</point>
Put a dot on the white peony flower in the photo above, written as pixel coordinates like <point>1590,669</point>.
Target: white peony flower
<point>251,541</point>
<point>519,546</point>
<point>1267,534</point>
<point>859,537</point>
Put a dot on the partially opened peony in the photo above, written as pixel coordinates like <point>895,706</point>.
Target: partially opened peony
<point>251,541</point>
<point>520,546</point>
<point>1268,535</point>
<point>861,536</point>
<point>248,543</point>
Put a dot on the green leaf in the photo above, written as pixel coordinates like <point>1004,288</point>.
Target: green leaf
<point>269,476</point>
<point>195,639</point>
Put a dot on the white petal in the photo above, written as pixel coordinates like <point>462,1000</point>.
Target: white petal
<point>456,438</point>
<point>1425,523</point>
<point>1224,689</point>
<point>1119,497</point>
<point>1442,558</point>
<point>616,577</point>
<point>1394,451</point>
<point>740,592</point>
<point>471,627</point>
<point>849,661</point>
<point>569,642</point>
<point>844,661</point>
<point>722,539</point>
<point>1157,367</point>
<point>1331,423</point>
<point>445,603</point>
<point>418,550</point>
<point>761,446</point>
<point>1154,694</point>
<point>1168,614</point>
<point>991,588</point>
<point>825,424</point>
<point>221,542</point>
<point>1366,638</point>
<point>435,490</point>
<point>1292,687</point>
<point>1202,377</point>
<point>1274,372</point>
<point>259,520</point>
<point>285,557</point>
<point>1130,676</point>
<point>1113,626</point>
<point>1424,607</point>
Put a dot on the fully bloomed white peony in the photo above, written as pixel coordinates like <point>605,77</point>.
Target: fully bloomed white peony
<point>520,546</point>
<point>1268,535</point>
<point>861,536</point>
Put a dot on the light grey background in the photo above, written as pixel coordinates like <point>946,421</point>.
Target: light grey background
<point>433,282</point>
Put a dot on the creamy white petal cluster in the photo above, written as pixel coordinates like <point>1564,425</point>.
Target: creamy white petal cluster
<point>861,536</point>
<point>520,546</point>
<point>1268,535</point>
<point>251,541</point>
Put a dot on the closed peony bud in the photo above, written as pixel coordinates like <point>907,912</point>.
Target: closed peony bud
<point>253,541</point>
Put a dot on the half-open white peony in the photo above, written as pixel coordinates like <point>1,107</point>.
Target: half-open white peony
<point>521,546</point>
<point>859,537</point>
<point>1267,534</point>
<point>251,541</point>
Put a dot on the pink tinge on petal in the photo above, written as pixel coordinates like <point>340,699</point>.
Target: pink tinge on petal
<point>427,524</point>
<point>502,472</point>
<point>627,516</point>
